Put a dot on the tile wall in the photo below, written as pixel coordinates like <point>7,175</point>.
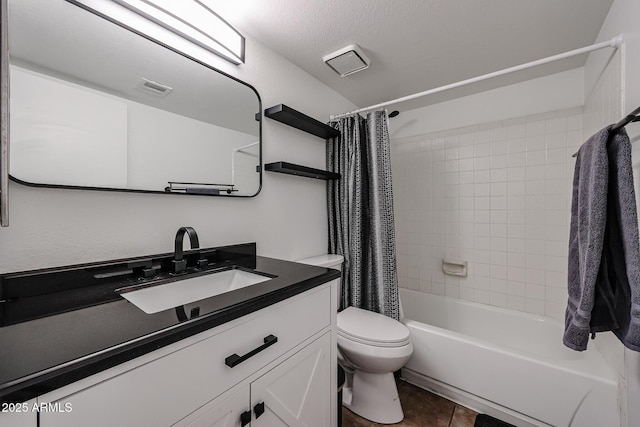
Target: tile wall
<point>495,195</point>
<point>604,104</point>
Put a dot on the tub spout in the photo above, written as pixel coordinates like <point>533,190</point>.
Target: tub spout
<point>179,263</point>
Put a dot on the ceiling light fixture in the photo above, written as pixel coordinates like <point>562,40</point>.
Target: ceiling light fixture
<point>191,20</point>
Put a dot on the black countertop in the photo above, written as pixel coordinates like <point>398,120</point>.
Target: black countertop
<point>44,353</point>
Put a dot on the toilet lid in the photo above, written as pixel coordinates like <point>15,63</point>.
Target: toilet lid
<point>370,327</point>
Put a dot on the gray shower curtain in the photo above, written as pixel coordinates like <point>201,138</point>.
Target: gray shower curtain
<point>361,224</point>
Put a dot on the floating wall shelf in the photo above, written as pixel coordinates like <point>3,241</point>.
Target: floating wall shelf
<point>293,169</point>
<point>298,120</point>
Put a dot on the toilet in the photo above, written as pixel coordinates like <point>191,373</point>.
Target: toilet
<point>371,347</point>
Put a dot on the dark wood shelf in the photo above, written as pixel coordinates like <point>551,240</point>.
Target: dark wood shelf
<point>293,169</point>
<point>298,120</point>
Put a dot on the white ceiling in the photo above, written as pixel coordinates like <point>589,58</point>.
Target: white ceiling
<point>415,45</point>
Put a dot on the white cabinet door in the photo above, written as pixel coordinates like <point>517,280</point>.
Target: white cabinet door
<point>19,414</point>
<point>227,413</point>
<point>296,392</point>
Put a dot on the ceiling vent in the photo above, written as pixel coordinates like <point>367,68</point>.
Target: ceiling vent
<point>155,88</point>
<point>348,60</point>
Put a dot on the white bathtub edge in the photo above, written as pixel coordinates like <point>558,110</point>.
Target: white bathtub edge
<point>471,401</point>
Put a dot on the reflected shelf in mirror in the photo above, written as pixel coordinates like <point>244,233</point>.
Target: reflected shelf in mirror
<point>199,188</point>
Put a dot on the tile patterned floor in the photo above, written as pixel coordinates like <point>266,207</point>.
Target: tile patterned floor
<point>421,409</point>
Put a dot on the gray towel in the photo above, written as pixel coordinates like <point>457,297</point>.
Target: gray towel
<point>604,248</point>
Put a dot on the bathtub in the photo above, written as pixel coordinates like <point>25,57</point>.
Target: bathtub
<point>505,363</point>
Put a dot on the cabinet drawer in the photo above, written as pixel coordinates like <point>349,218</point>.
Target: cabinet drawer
<point>165,390</point>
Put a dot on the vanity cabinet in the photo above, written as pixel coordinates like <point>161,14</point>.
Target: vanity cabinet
<point>294,393</point>
<point>191,383</point>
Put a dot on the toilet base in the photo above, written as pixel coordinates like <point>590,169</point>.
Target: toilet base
<point>374,397</point>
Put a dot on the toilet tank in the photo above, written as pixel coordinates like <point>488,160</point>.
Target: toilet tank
<point>328,260</point>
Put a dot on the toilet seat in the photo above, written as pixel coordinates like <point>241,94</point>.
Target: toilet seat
<point>374,329</point>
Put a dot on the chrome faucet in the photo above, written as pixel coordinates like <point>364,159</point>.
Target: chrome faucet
<point>179,263</point>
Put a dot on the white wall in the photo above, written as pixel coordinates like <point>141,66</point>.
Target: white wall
<point>606,95</point>
<point>548,93</point>
<point>51,227</point>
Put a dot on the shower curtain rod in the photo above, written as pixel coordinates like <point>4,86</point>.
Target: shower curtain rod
<point>615,43</point>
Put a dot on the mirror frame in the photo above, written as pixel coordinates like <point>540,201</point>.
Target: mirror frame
<point>5,176</point>
<point>4,114</point>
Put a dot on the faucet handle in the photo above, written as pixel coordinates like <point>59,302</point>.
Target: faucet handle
<point>146,273</point>
<point>143,268</point>
<point>179,265</point>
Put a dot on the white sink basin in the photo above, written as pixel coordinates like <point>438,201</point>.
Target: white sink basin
<point>163,297</point>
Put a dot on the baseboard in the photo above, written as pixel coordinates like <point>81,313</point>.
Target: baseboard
<point>469,400</point>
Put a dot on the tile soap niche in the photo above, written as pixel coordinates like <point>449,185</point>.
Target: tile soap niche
<point>289,116</point>
<point>454,267</point>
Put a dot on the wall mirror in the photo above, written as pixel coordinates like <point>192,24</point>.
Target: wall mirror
<point>96,106</point>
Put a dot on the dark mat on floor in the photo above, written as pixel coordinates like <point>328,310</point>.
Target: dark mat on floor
<point>484,420</point>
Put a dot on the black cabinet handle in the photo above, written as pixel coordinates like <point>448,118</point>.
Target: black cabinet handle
<point>234,359</point>
<point>245,418</point>
<point>258,409</point>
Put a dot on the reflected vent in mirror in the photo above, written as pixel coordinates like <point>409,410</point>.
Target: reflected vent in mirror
<point>155,88</point>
